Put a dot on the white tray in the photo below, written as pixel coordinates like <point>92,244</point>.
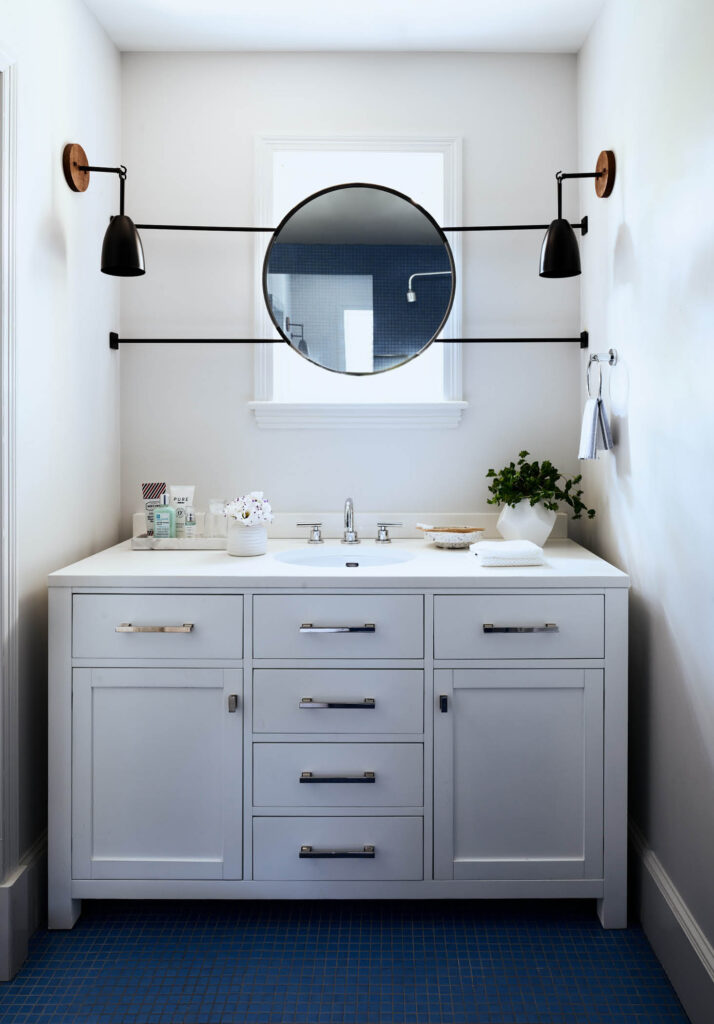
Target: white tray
<point>145,543</point>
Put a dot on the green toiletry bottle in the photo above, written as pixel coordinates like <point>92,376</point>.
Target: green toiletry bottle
<point>164,519</point>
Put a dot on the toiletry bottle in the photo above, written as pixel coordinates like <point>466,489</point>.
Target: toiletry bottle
<point>180,511</point>
<point>181,499</point>
<point>151,495</point>
<point>164,519</point>
<point>190,524</point>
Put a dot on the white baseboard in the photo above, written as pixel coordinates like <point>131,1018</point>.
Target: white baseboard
<point>685,952</point>
<point>23,899</point>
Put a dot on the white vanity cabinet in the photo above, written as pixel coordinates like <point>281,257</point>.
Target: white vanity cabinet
<point>156,773</point>
<point>518,773</point>
<point>246,728</point>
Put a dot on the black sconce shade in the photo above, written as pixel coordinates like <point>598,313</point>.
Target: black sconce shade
<point>122,251</point>
<point>559,254</point>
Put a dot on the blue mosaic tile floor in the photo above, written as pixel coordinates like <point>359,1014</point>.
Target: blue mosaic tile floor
<point>366,963</point>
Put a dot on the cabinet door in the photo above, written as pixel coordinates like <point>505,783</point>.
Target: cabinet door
<point>519,773</point>
<point>156,773</point>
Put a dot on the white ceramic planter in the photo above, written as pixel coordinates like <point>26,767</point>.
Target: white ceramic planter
<point>246,540</point>
<point>526,522</point>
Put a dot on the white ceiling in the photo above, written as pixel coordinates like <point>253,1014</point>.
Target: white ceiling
<point>329,25</point>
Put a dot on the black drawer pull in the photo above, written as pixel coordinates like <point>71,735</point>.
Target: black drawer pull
<point>307,627</point>
<point>548,627</point>
<point>443,703</point>
<point>310,704</point>
<point>308,853</point>
<point>364,777</point>
<point>128,627</point>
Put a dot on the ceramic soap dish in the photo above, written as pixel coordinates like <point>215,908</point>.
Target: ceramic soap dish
<point>450,536</point>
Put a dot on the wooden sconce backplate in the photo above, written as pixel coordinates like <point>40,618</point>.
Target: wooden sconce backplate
<point>73,158</point>
<point>606,167</point>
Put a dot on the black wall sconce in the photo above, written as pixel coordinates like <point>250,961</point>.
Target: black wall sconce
<point>122,251</point>
<point>559,254</point>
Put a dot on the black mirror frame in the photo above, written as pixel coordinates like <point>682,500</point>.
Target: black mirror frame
<point>378,188</point>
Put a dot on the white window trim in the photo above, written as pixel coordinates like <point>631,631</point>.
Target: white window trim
<point>308,415</point>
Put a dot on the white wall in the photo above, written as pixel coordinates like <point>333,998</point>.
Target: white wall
<point>646,82</point>
<point>68,76</point>
<point>189,127</point>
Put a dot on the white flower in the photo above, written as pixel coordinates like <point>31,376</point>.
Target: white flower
<point>250,509</point>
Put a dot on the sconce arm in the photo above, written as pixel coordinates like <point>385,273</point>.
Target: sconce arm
<point>604,175</point>
<point>120,170</point>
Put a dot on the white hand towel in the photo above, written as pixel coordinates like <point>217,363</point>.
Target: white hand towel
<point>607,442</point>
<point>595,433</point>
<point>507,552</point>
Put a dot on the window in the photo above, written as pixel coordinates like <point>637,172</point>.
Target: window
<point>292,392</point>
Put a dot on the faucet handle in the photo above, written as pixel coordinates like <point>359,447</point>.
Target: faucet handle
<point>383,533</point>
<point>315,534</point>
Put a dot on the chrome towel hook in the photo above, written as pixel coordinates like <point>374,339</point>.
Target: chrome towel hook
<point>609,357</point>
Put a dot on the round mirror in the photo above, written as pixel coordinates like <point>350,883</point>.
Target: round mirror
<point>359,279</point>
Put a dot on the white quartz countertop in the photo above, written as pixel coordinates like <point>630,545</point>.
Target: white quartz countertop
<point>567,565</point>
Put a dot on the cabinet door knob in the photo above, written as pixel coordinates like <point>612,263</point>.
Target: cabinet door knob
<point>443,703</point>
<point>232,703</point>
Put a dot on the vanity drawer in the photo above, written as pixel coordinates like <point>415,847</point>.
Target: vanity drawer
<point>396,848</point>
<point>519,626</point>
<point>338,775</point>
<point>338,626</point>
<point>211,626</point>
<point>338,700</point>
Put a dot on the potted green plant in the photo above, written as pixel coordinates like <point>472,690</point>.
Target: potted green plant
<point>531,493</point>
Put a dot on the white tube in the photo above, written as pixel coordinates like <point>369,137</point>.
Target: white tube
<point>181,498</point>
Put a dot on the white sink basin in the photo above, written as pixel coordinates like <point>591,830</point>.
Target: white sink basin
<point>358,557</point>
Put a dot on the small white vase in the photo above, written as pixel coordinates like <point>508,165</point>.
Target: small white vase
<point>526,522</point>
<point>246,540</point>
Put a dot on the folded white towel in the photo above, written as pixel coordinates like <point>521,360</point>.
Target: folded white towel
<point>508,552</point>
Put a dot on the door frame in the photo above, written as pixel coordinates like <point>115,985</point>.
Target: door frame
<point>9,712</point>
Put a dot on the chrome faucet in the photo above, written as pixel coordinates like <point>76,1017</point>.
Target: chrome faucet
<point>350,534</point>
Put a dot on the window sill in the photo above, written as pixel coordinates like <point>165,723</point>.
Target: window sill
<point>392,415</point>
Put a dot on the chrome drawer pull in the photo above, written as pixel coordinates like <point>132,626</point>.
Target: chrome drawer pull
<point>549,627</point>
<point>307,853</point>
<point>126,627</point>
<point>364,777</point>
<point>307,627</point>
<point>310,704</point>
